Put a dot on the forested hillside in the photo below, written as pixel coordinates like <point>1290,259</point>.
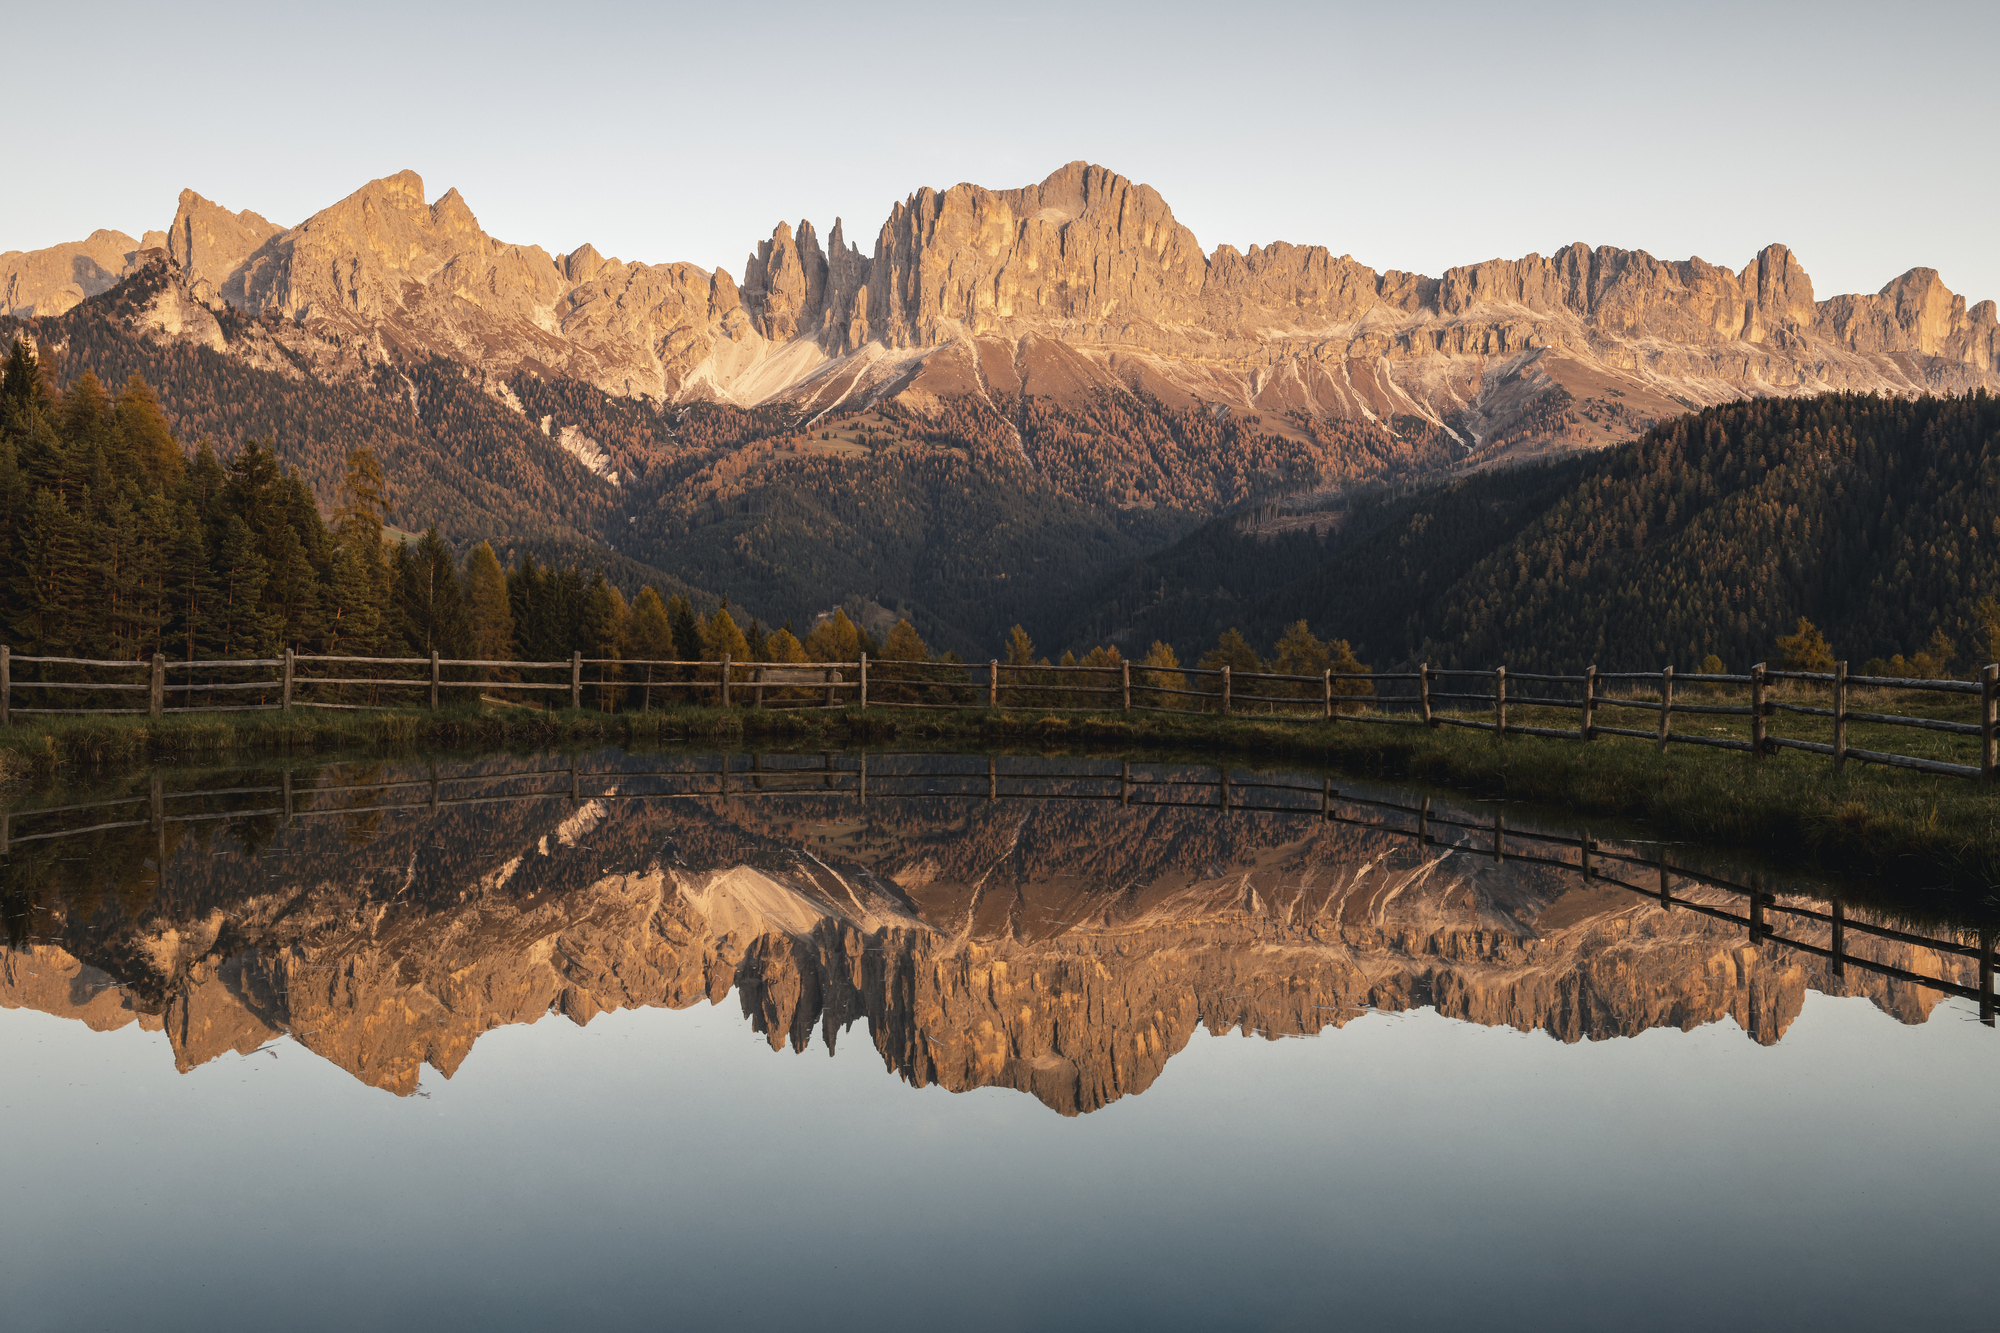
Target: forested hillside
<point>966,517</point>
<point>115,544</point>
<point>1877,519</point>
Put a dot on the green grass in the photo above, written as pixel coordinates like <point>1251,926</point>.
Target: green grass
<point>1912,831</point>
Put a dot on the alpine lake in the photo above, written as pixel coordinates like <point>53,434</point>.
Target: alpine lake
<point>912,1040</point>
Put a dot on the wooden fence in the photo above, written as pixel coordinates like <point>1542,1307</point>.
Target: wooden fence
<point>849,778</point>
<point>1395,697</point>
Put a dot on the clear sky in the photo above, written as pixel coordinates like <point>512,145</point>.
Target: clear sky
<point>1413,137</point>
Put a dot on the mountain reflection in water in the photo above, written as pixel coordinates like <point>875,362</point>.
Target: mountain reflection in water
<point>1060,927</point>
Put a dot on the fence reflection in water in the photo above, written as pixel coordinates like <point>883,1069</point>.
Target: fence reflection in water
<point>847,776</point>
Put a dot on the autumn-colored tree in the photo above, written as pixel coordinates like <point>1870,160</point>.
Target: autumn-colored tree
<point>1805,649</point>
<point>900,678</point>
<point>490,617</point>
<point>1103,673</point>
<point>144,433</point>
<point>721,638</point>
<point>834,639</point>
<point>1160,671</point>
<point>781,645</point>
<point>649,637</point>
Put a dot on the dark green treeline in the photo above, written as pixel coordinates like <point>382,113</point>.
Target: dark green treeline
<point>115,545</point>
<point>1876,519</point>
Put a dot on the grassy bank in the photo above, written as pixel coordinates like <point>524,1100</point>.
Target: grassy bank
<point>1917,830</point>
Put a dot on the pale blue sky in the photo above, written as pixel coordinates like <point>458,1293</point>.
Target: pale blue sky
<point>1412,137</point>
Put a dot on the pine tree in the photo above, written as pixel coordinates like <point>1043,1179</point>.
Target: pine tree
<point>428,603</point>
<point>49,604</point>
<point>687,632</point>
<point>236,625</point>
<point>293,595</point>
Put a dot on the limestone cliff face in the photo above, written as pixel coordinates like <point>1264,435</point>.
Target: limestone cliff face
<point>1082,284</point>
<point>213,246</point>
<point>48,282</point>
<point>1065,951</point>
<point>1099,265</point>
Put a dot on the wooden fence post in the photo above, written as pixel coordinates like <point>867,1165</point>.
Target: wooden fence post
<point>1584,862</point>
<point>1424,692</point>
<point>1986,976</point>
<point>1666,896</point>
<point>1838,910</point>
<point>1225,694</point>
<point>1125,782</point>
<point>1839,716</point>
<point>576,680</point>
<point>287,783</point>
<point>1329,694</point>
<point>1499,836</point>
<point>864,704</point>
<point>1989,715</point>
<point>992,779</point>
<point>993,683</point>
<point>159,801</point>
<point>1757,711</point>
<point>1500,700</point>
<point>6,684</point>
<point>725,680</point>
<point>434,680</point>
<point>1666,706</point>
<point>285,699</point>
<point>1585,731</point>
<point>1126,678</point>
<point>1325,799</point>
<point>1423,825</point>
<point>156,686</point>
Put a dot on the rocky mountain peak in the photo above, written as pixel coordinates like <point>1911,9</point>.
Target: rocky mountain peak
<point>212,244</point>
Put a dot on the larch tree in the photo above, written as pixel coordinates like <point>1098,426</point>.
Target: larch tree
<point>489,616</point>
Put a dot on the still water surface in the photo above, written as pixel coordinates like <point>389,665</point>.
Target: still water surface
<point>1030,1044</point>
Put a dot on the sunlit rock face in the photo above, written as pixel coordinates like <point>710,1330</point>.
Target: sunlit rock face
<point>1066,949</point>
<point>1081,285</point>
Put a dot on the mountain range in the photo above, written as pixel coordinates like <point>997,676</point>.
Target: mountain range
<point>1062,364</point>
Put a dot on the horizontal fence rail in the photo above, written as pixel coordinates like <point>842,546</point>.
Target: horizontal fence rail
<point>1397,698</point>
<point>849,778</point>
